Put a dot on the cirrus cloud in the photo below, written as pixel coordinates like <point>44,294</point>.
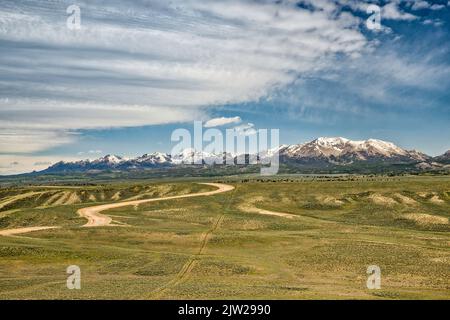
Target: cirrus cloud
<point>217,122</point>
<point>149,63</point>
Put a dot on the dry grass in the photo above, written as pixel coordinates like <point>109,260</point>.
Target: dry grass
<point>321,254</point>
<point>64,196</point>
<point>116,196</point>
<point>329,201</point>
<point>404,199</point>
<point>51,200</point>
<point>73,199</point>
<point>10,200</point>
<point>382,200</point>
<point>250,206</point>
<point>436,200</point>
<point>426,219</point>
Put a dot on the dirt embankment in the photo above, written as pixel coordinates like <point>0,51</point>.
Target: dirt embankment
<point>96,218</point>
<point>250,206</point>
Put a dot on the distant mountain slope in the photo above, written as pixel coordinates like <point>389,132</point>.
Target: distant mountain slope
<point>342,150</point>
<point>444,158</point>
<point>323,152</point>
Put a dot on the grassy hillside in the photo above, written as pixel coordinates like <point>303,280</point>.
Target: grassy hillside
<point>216,172</point>
<point>232,245</point>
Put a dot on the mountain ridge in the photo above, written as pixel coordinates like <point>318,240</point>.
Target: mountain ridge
<point>323,151</point>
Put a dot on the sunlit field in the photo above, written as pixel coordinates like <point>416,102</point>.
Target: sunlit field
<point>287,238</point>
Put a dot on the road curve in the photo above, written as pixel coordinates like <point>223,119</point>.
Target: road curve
<point>97,219</point>
<point>12,232</point>
<point>250,207</point>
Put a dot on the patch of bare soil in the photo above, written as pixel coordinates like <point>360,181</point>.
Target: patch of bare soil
<point>426,219</point>
<point>96,219</point>
<point>404,199</point>
<point>249,206</point>
<point>382,200</point>
<point>15,231</point>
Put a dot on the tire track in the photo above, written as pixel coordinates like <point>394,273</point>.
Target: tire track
<point>12,232</point>
<point>184,272</point>
<point>97,219</point>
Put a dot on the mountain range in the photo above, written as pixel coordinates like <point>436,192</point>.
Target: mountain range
<point>320,153</point>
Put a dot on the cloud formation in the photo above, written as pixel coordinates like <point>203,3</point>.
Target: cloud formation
<point>217,122</point>
<point>154,62</point>
<point>140,63</point>
<point>391,11</point>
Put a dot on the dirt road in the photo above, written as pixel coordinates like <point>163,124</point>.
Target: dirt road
<point>96,219</point>
<point>183,274</point>
<point>250,207</point>
<point>12,232</point>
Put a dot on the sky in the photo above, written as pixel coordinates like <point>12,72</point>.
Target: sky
<point>134,71</point>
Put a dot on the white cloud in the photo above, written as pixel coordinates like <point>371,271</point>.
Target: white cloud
<point>30,126</point>
<point>434,22</point>
<point>15,164</point>
<point>155,62</point>
<point>41,114</point>
<point>216,122</point>
<point>90,152</point>
<point>391,11</point>
<point>245,129</point>
<point>31,140</point>
<point>418,5</point>
<point>437,6</point>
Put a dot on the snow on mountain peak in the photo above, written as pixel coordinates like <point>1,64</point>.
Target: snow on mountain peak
<point>385,148</point>
<point>154,158</point>
<point>110,159</point>
<point>334,150</point>
<point>337,147</point>
<point>190,155</point>
<point>325,141</point>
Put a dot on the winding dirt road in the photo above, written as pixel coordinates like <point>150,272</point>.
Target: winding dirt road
<point>12,232</point>
<point>250,207</point>
<point>97,219</point>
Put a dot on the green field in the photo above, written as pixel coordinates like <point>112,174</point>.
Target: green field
<point>223,247</point>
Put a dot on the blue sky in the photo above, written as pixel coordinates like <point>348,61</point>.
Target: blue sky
<point>137,70</point>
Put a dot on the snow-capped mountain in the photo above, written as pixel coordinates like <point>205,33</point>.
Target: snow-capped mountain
<point>343,150</point>
<point>192,156</point>
<point>154,158</point>
<point>109,160</point>
<point>444,158</point>
<point>103,163</point>
<point>322,151</point>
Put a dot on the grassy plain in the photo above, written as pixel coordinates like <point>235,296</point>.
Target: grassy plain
<point>220,247</point>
